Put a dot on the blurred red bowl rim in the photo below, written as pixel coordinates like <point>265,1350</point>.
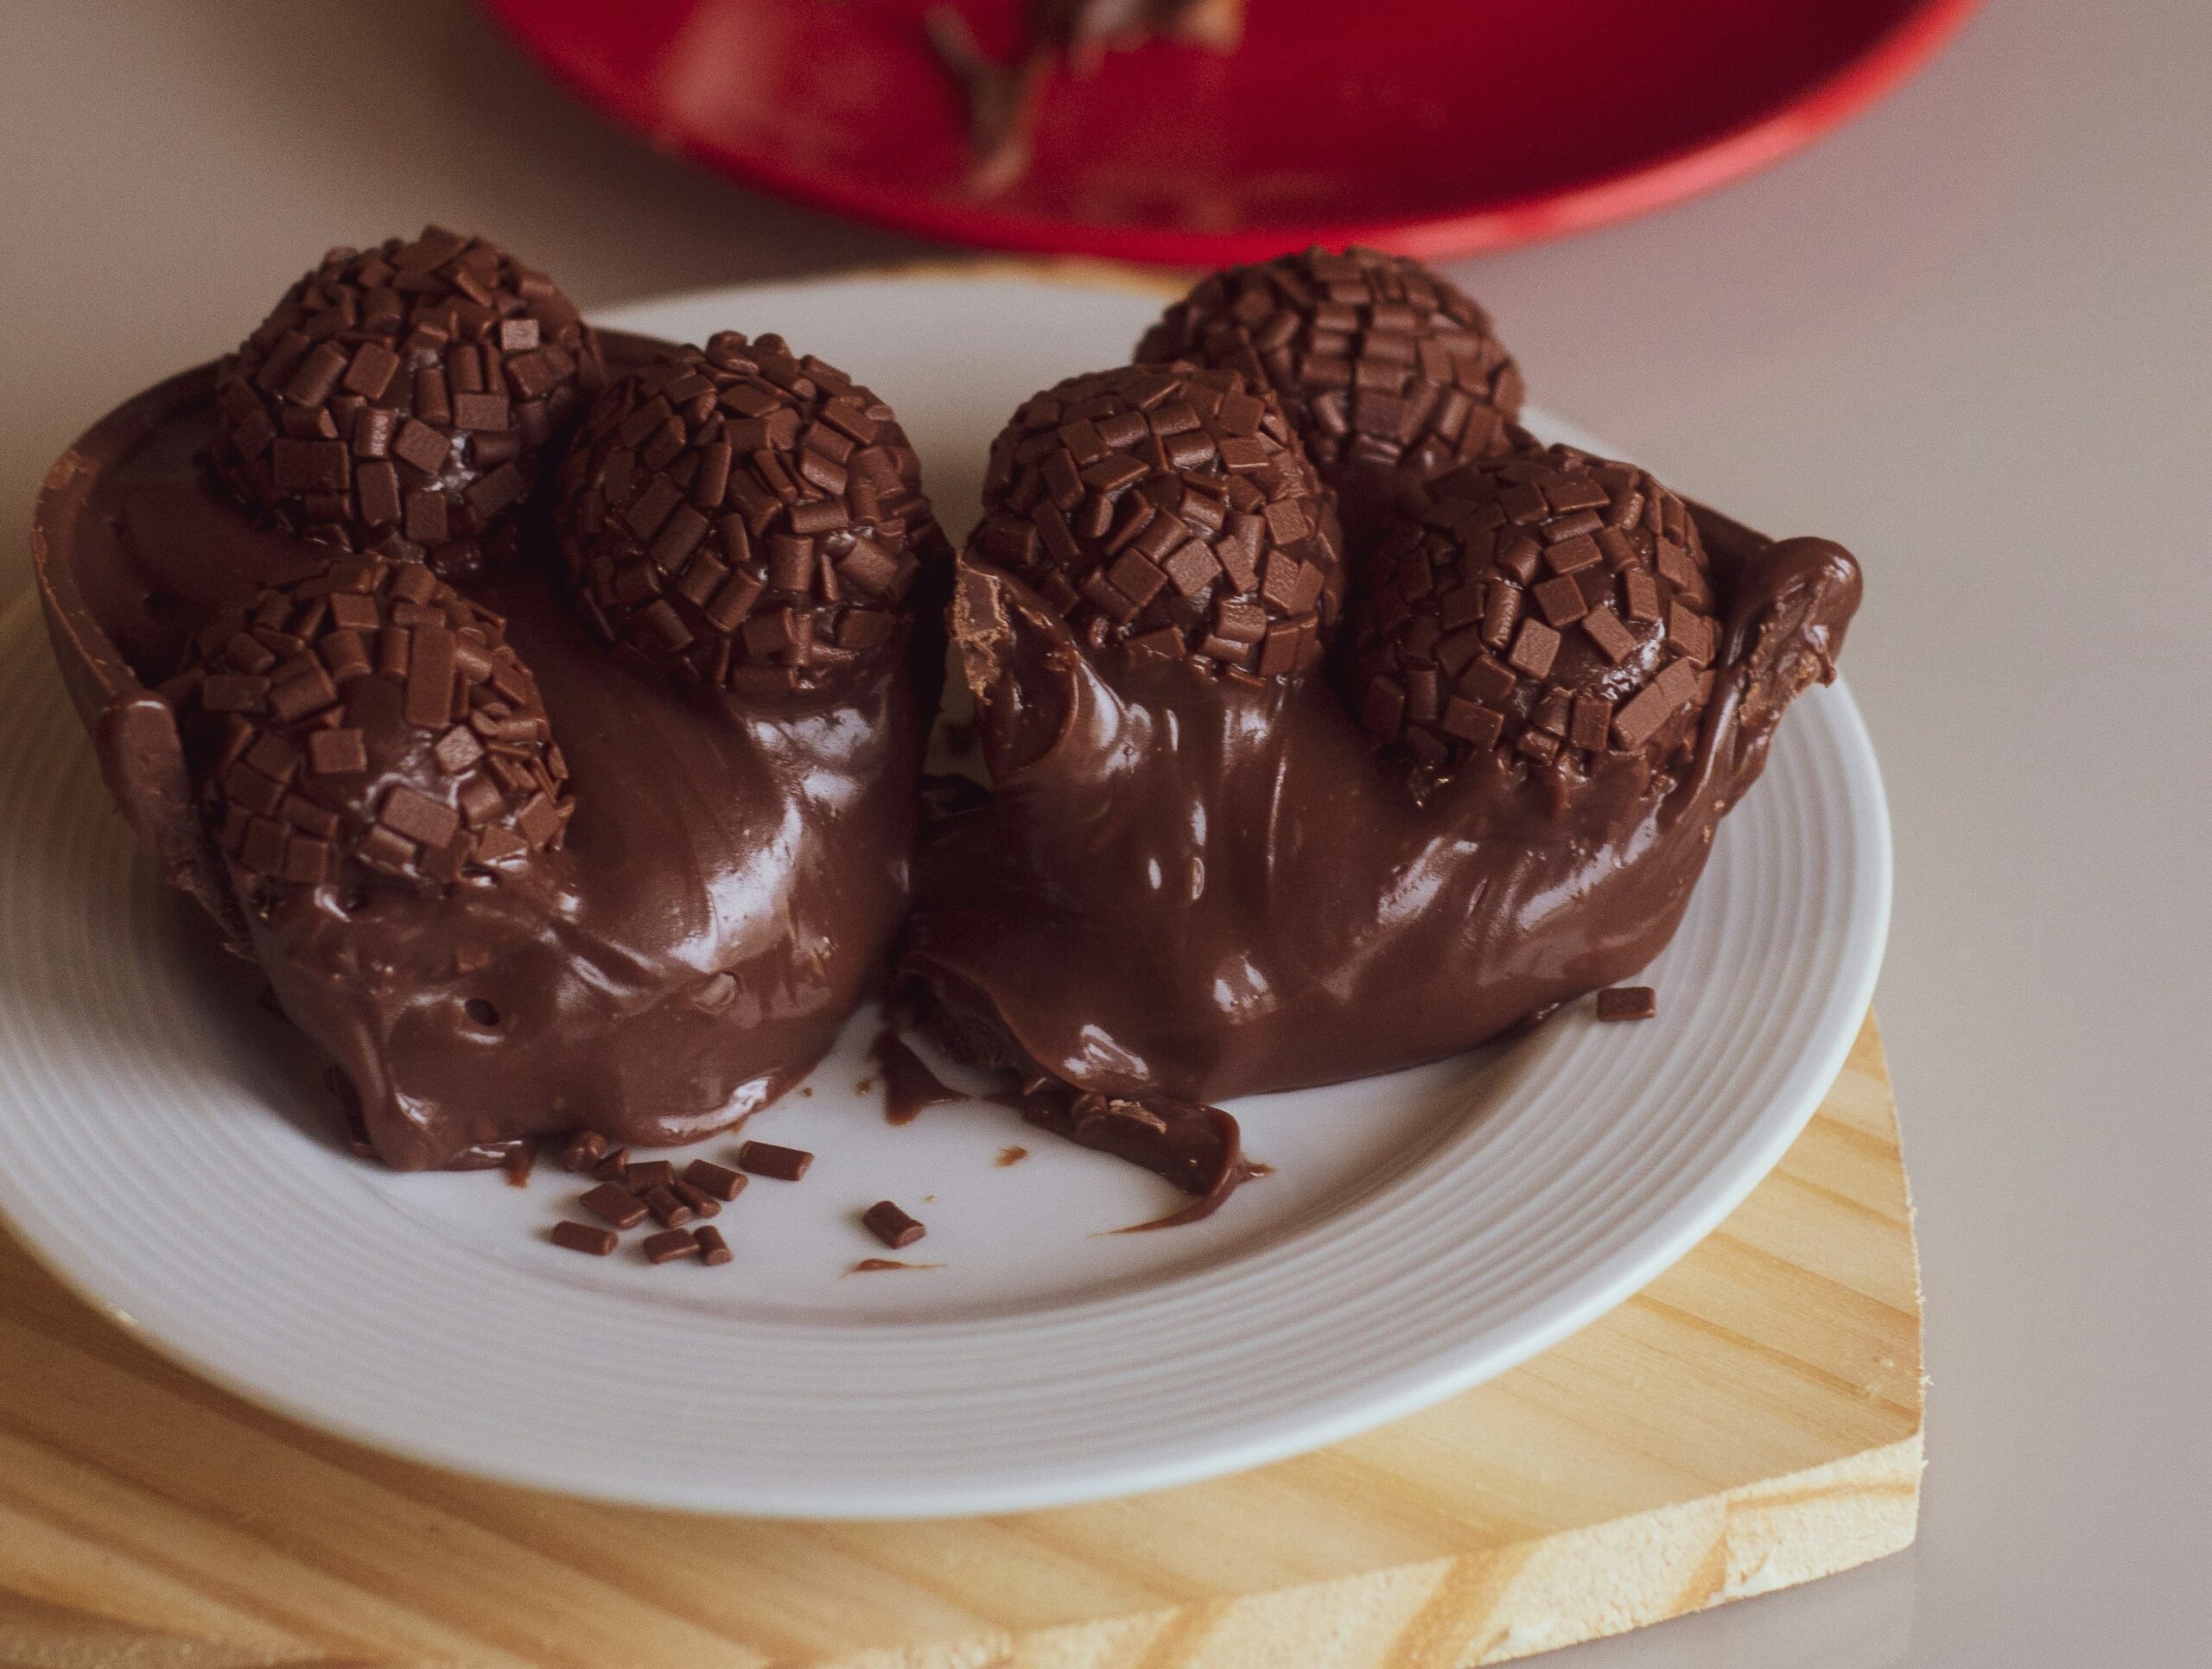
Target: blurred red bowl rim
<point>1664,179</point>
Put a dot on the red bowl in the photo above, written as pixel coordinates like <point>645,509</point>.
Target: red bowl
<point>1431,127</point>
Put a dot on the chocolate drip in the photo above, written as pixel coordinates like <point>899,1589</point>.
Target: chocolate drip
<point>908,1084</point>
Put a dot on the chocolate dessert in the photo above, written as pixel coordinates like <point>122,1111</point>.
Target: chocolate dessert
<point>544,713</point>
<point>1206,867</point>
<point>541,811</point>
<point>1384,368</point>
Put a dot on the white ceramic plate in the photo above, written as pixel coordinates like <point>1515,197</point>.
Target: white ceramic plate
<point>166,1146</point>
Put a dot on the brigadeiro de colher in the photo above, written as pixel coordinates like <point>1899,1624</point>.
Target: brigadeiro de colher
<point>479,769</point>
<point>1523,692</point>
<point>403,398</point>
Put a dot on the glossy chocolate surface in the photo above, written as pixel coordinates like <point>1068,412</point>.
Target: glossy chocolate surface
<point>722,900</point>
<point>1182,890</point>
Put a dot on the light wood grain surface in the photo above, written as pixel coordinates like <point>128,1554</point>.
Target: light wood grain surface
<point>1750,1420</point>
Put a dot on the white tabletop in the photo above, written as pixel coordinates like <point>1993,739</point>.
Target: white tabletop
<point>1970,336</point>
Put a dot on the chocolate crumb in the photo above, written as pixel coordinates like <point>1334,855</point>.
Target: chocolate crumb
<point>866,1266</point>
<point>1011,1156</point>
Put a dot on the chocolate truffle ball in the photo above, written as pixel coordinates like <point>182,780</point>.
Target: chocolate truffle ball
<point>1168,509</point>
<point>1382,365</point>
<point>1547,604</point>
<point>400,398</point>
<point>746,519</point>
<point>367,725</point>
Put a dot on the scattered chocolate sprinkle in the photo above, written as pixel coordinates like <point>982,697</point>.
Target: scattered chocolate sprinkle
<point>582,1237</point>
<point>668,1210</point>
<point>766,1159</point>
<point>703,1203</point>
<point>521,1158</point>
<point>717,1180</point>
<point>892,1226</point>
<point>669,1245</point>
<point>615,1167</point>
<point>712,1248</point>
<point>616,1204</point>
<point>650,1174</point>
<point>1011,1156</point>
<point>869,1265</point>
<point>1628,1002</point>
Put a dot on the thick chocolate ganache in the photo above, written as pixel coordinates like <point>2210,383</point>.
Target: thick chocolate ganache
<point>678,892</point>
<point>1193,878</point>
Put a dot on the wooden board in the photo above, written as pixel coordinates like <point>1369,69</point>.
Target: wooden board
<point>1750,1420</point>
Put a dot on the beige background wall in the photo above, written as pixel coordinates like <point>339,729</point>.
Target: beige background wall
<point>1969,336</point>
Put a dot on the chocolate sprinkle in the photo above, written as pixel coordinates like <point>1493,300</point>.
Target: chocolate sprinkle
<point>1628,1002</point>
<point>616,1204</point>
<point>708,1178</point>
<point>668,1210</point>
<point>703,1203</point>
<point>670,1244</point>
<point>712,1248</point>
<point>766,1159</point>
<point>584,1237</point>
<point>890,1225</point>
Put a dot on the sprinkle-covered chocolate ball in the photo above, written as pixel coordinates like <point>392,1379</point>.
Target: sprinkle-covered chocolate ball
<point>398,398</point>
<point>746,518</point>
<point>1546,604</point>
<point>367,724</point>
<point>1166,509</point>
<point>1383,366</point>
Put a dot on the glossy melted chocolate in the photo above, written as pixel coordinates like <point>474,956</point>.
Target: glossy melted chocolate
<point>1181,890</point>
<point>724,898</point>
